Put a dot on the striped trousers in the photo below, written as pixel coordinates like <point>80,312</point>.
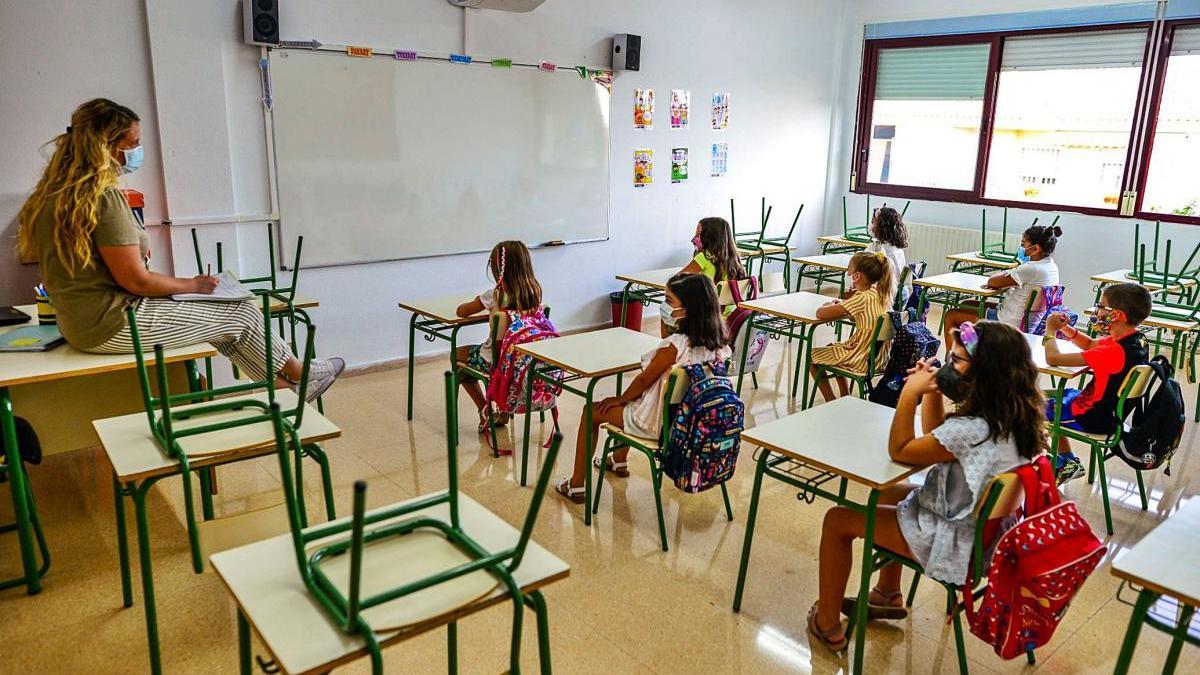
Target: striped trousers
<point>234,328</point>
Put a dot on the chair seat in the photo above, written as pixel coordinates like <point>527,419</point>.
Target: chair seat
<point>648,443</point>
<point>394,561</point>
<point>1078,434</point>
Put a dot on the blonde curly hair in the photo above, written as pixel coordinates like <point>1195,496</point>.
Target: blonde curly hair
<point>80,169</point>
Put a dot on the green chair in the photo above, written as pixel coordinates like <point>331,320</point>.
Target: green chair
<point>758,246</point>
<point>169,425</point>
<point>862,233</point>
<point>331,557</point>
<point>880,336</point>
<point>998,501</point>
<point>1100,446</point>
<point>5,476</point>
<point>673,392</point>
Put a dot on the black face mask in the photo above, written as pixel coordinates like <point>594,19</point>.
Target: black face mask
<point>949,382</point>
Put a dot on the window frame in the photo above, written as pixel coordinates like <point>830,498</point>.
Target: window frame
<point>1146,121</point>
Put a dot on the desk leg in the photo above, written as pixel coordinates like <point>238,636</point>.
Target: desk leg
<point>244,660</point>
<point>860,608</point>
<point>1181,631</point>
<point>625,303</point>
<point>528,415</point>
<point>144,558</point>
<point>804,364</point>
<point>1145,599</point>
<point>19,486</point>
<point>412,348</point>
<point>761,466</point>
<point>119,493</point>
<point>591,447</point>
<point>1056,429</point>
<point>745,350</point>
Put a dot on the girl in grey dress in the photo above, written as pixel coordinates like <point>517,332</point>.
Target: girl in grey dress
<point>998,424</point>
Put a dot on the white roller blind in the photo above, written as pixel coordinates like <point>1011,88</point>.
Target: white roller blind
<point>1186,41</point>
<point>1093,49</point>
<point>948,73</point>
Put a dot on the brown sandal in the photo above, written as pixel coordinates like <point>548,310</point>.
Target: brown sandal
<point>878,612</point>
<point>822,636</point>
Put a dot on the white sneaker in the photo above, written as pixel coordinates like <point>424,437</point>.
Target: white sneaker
<point>321,375</point>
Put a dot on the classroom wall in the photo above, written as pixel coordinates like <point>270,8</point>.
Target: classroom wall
<point>1090,244</point>
<point>55,54</point>
<point>776,57</point>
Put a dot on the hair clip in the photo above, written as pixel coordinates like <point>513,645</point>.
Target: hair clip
<point>500,274</point>
<point>969,337</point>
<point>68,130</point>
<point>880,256</point>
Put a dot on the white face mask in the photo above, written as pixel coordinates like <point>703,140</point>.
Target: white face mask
<point>667,314</point>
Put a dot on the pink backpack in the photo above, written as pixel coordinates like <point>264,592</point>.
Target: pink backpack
<point>1037,568</point>
<point>506,386</point>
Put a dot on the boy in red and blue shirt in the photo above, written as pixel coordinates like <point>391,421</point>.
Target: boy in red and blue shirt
<point>1121,347</point>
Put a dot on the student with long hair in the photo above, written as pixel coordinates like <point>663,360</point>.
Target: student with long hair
<point>890,237</point>
<point>717,254</point>
<point>698,337</point>
<point>869,298</point>
<point>516,288</point>
<point>997,425</point>
<point>94,259</point>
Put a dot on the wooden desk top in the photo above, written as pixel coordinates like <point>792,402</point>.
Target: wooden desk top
<point>656,279</point>
<point>1160,322</point>
<point>444,309</point>
<point>830,261</point>
<point>960,282</point>
<point>135,454</point>
<point>265,582</point>
<point>973,258</point>
<point>847,436</point>
<point>1164,561</point>
<point>801,306</point>
<point>595,353</point>
<point>65,361</point>
<point>840,240</point>
<point>298,302</point>
<point>749,249</point>
<point>1122,277</point>
<point>1039,357</point>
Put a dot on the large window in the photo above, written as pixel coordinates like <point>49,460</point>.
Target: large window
<point>1172,186</point>
<point>1057,119</point>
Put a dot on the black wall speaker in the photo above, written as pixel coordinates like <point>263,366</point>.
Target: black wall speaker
<point>627,52</point>
<point>260,22</point>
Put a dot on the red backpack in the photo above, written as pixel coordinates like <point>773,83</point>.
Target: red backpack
<point>1037,568</point>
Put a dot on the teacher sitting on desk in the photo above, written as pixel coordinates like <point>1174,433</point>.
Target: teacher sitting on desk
<point>94,260</point>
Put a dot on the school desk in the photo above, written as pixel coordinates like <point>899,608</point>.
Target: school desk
<point>1163,563</point>
<point>778,315</point>
<point>838,243</point>
<point>645,287</point>
<point>765,253</point>
<point>1127,276</point>
<point>138,463</point>
<point>951,288</point>
<point>438,320</point>
<point>827,267</point>
<point>590,356</point>
<point>973,263</point>
<point>272,598</point>
<point>60,392</point>
<point>1059,376</point>
<point>843,440</point>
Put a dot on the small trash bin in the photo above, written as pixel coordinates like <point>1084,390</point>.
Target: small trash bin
<point>633,312</point>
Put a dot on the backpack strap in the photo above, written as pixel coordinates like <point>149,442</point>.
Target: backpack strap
<point>1037,480</point>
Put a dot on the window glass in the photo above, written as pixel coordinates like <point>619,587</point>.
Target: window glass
<point>1171,183</point>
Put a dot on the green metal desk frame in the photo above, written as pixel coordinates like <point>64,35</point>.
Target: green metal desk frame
<point>1141,616</point>
<point>26,524</point>
<point>810,488</point>
<point>433,329</point>
<point>775,328</point>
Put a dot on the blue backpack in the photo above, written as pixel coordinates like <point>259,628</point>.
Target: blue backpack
<point>706,432</point>
<point>912,341</point>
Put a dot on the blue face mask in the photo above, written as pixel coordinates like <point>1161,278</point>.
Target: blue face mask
<point>1022,255</point>
<point>133,160</point>
<point>667,314</point>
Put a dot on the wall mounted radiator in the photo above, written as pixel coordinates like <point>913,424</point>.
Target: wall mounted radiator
<point>932,243</point>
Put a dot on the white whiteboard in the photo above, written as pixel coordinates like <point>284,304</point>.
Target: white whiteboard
<point>378,159</point>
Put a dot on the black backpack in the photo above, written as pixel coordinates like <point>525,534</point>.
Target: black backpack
<point>1157,423</point>
<point>912,341</point>
<point>27,443</point>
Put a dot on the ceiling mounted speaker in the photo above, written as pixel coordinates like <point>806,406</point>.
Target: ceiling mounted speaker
<point>502,5</point>
<point>260,22</point>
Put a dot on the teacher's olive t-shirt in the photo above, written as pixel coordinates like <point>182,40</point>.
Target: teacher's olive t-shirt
<point>89,303</point>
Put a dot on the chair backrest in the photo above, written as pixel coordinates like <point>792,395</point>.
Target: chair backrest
<point>725,295</point>
<point>998,500</point>
<point>882,334</point>
<point>784,240</point>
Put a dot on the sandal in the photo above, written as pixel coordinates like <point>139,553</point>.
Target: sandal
<point>621,469</point>
<point>835,646</point>
<point>575,494</point>
<point>875,612</point>
<point>499,419</point>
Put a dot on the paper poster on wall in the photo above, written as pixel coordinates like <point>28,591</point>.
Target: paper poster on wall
<point>643,108</point>
<point>720,159</point>
<point>681,103</point>
<point>720,111</point>
<point>679,165</point>
<point>643,167</point>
